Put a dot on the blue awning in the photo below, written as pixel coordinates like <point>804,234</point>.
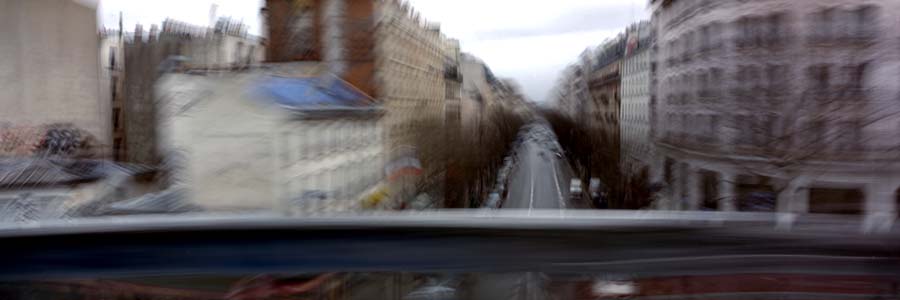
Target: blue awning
<point>313,92</point>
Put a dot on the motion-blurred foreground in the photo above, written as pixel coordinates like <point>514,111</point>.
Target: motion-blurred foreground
<point>718,150</point>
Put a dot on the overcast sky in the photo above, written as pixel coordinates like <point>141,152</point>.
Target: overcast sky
<point>528,40</point>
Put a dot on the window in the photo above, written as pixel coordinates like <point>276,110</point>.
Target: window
<point>744,126</point>
<point>237,52</point>
<point>669,170</point>
<point>687,43</point>
<point>815,133</point>
<point>833,24</point>
<point>763,130</point>
<point>775,32</point>
<point>116,118</point>
<point>114,92</point>
<point>819,76</point>
<point>749,81</point>
<point>704,82</point>
<point>117,147</point>
<point>849,136</point>
<point>715,75</point>
<point>713,133</point>
<point>715,36</point>
<point>744,32</point>
<point>705,38</point>
<point>709,186</point>
<point>850,80</point>
<point>777,80</point>
<point>866,22</point>
<point>836,201</point>
<point>112,57</point>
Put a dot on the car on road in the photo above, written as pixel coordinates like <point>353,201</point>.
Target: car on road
<point>575,189</point>
<point>597,190</point>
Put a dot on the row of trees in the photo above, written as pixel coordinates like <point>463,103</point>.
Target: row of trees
<point>593,155</point>
<point>461,165</point>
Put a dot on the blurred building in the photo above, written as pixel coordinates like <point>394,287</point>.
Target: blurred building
<point>112,84</point>
<point>49,77</point>
<point>572,90</point>
<point>410,69</point>
<point>562,93</point>
<point>634,120</point>
<point>784,105</point>
<point>480,92</point>
<point>143,56</point>
<point>289,136</point>
<point>602,112</point>
<point>509,95</point>
<point>383,47</point>
<point>452,84</point>
<point>35,189</point>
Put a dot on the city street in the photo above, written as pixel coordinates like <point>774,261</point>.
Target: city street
<point>540,178</point>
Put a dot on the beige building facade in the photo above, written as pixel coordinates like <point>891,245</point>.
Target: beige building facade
<point>253,141</point>
<point>410,63</point>
<point>133,61</point>
<point>634,118</point>
<point>50,72</point>
<point>786,106</point>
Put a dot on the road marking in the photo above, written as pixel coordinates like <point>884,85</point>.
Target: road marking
<point>531,201</point>
<point>562,204</point>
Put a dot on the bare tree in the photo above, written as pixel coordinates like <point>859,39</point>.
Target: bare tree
<point>462,167</point>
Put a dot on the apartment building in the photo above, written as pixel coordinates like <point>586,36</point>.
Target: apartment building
<point>787,106</point>
<point>383,47</point>
<point>634,119</point>
<point>410,64</point>
<point>50,80</point>
<point>134,61</point>
<point>290,137</point>
<point>602,112</point>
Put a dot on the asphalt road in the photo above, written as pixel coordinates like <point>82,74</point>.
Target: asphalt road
<point>540,179</point>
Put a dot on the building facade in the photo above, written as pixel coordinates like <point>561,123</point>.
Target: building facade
<point>112,84</point>
<point>383,47</point>
<point>146,55</point>
<point>50,72</point>
<point>634,121</point>
<point>285,138</point>
<point>601,113</point>
<point>787,106</point>
<point>410,64</point>
<point>452,84</point>
<point>572,88</point>
<point>477,95</point>
<point>562,92</point>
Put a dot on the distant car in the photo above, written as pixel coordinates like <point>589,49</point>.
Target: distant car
<point>596,186</point>
<point>575,190</point>
<point>597,191</point>
<point>493,200</point>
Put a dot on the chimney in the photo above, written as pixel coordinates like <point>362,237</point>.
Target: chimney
<point>294,30</point>
<point>339,33</point>
<point>357,43</point>
<point>153,33</point>
<point>138,33</point>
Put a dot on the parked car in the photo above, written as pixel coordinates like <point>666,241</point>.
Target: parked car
<point>575,190</point>
<point>597,191</point>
